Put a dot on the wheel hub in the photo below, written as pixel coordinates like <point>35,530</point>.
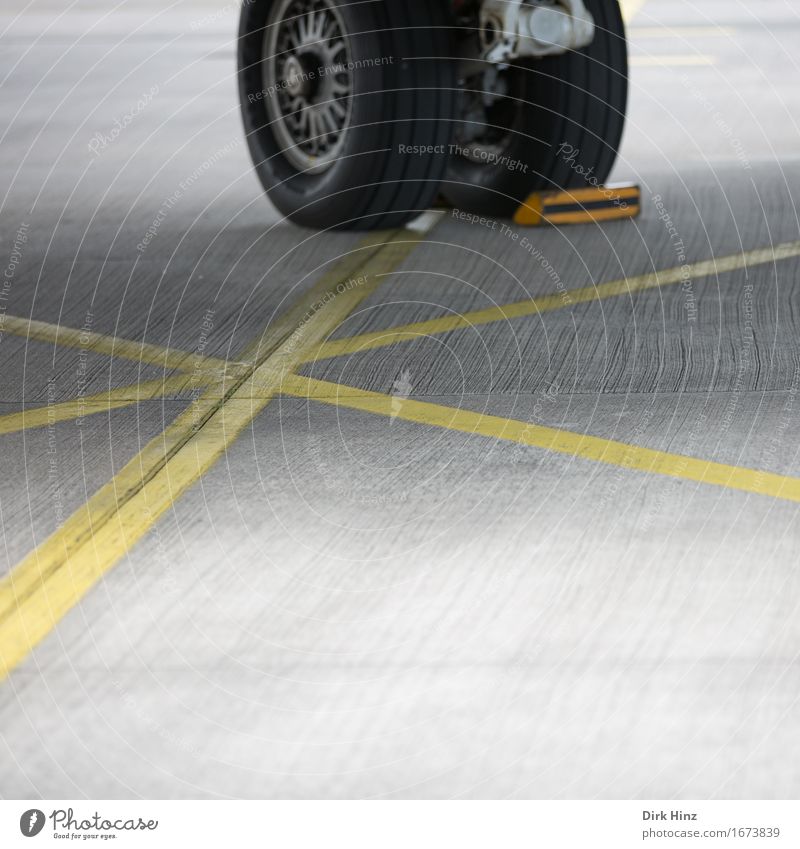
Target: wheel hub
<point>296,78</point>
<point>308,76</point>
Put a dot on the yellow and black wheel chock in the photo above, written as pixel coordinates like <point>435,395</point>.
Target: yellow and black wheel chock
<point>583,205</point>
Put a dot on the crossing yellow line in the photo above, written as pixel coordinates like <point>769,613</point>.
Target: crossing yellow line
<point>556,301</point>
<point>594,448</point>
<point>86,340</point>
<point>204,369</point>
<point>77,408</point>
<point>54,577</point>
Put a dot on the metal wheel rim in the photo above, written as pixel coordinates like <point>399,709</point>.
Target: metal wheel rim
<point>308,81</point>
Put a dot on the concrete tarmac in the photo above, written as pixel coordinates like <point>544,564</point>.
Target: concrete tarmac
<point>380,588</point>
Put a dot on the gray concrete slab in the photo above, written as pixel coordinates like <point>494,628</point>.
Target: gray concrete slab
<point>349,605</point>
<point>737,337</point>
<point>502,625</point>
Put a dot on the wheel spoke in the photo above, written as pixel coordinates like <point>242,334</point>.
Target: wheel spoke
<point>313,132</point>
<point>336,48</point>
<point>329,119</point>
<point>302,32</point>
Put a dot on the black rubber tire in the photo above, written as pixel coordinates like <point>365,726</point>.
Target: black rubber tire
<point>407,101</point>
<point>576,100</point>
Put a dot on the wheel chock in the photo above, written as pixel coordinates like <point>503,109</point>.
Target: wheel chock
<point>580,205</point>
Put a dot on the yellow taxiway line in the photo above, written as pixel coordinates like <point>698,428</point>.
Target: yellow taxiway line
<point>112,346</point>
<point>579,445</point>
<point>59,572</point>
<point>555,301</point>
<point>205,371</point>
<point>102,402</point>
